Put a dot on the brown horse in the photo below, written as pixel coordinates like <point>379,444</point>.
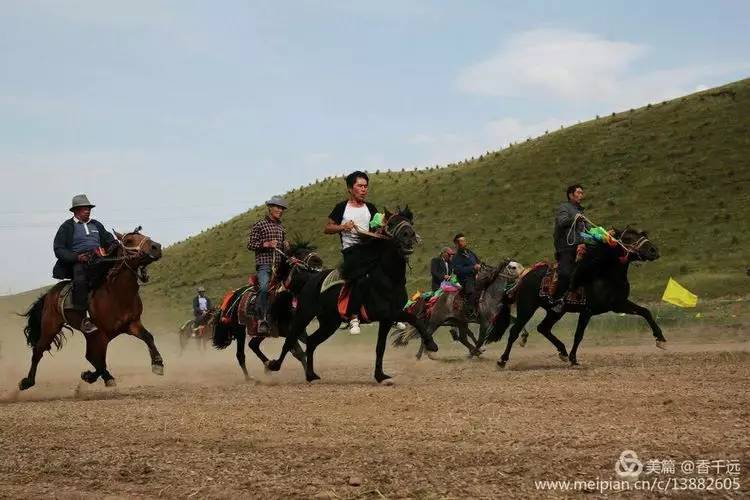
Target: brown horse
<point>115,307</point>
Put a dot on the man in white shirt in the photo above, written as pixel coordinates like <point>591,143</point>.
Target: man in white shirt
<point>345,219</point>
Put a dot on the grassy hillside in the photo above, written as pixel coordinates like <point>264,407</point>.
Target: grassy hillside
<point>679,169</point>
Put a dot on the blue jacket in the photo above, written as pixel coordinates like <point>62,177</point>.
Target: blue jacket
<point>463,264</point>
<point>64,242</point>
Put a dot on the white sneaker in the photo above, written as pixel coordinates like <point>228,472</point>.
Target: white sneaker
<point>354,327</point>
<point>400,326</point>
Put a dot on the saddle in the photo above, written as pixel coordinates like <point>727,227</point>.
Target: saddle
<point>549,286</point>
<point>333,279</point>
<point>242,300</point>
<point>65,300</point>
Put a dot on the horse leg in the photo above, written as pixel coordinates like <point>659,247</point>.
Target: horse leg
<point>96,354</point>
<point>254,346</point>
<point>427,340</point>
<point>298,353</point>
<point>325,330</point>
<point>463,333</point>
<point>136,329</point>
<point>239,337</point>
<point>51,325</point>
<point>296,332</point>
<point>583,321</point>
<point>521,319</point>
<point>383,329</point>
<point>545,328</point>
<point>630,307</point>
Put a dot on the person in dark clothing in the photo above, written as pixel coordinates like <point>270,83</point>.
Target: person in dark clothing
<point>78,239</point>
<point>201,305</point>
<point>567,239</point>
<point>347,219</point>
<point>466,264</point>
<point>441,267</point>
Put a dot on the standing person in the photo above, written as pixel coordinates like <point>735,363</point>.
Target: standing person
<point>77,240</point>
<point>441,267</point>
<point>567,239</point>
<point>266,237</point>
<point>466,264</point>
<point>345,219</point>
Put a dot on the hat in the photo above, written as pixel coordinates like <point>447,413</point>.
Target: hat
<point>80,200</point>
<point>278,201</point>
<point>448,250</point>
<point>201,289</point>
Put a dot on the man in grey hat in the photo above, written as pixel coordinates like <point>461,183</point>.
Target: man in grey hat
<point>77,240</point>
<point>267,237</point>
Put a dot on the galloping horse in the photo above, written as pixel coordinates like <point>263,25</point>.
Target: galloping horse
<point>299,262</point>
<point>384,297</point>
<point>449,309</point>
<point>115,307</point>
<point>606,288</point>
<point>200,335</point>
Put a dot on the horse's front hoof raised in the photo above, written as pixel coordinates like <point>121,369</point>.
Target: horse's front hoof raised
<point>25,383</point>
<point>110,383</point>
<point>157,369</point>
<point>273,365</point>
<point>661,344</point>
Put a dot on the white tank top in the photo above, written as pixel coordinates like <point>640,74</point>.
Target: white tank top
<point>361,218</point>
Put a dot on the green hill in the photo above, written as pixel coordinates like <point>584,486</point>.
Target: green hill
<point>679,169</point>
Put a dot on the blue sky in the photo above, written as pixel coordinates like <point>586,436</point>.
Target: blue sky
<point>179,114</point>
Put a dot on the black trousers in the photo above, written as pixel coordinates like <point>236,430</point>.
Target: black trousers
<point>469,285</point>
<point>358,261</point>
<point>80,286</point>
<point>566,264</point>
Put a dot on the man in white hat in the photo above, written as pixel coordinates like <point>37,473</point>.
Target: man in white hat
<point>76,241</point>
<point>267,237</point>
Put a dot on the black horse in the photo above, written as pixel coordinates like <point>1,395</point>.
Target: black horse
<point>604,276</point>
<point>294,269</point>
<point>384,296</point>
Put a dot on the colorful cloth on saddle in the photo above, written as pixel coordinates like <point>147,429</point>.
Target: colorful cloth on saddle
<point>377,221</point>
<point>596,235</point>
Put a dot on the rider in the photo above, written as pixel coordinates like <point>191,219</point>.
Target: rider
<point>441,267</point>
<point>201,304</point>
<point>346,218</point>
<point>568,226</point>
<point>267,238</point>
<point>466,264</point>
<point>77,240</point>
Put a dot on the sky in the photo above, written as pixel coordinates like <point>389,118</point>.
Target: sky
<point>177,115</point>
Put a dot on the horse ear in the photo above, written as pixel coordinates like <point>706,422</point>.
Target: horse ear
<point>387,213</point>
<point>137,229</point>
<point>118,235</point>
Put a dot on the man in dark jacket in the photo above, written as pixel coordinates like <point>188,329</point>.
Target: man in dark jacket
<point>346,218</point>
<point>201,305</point>
<point>466,264</point>
<point>77,240</point>
<point>441,267</point>
<point>567,237</point>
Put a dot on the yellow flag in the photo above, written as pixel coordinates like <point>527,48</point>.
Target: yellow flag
<point>679,295</point>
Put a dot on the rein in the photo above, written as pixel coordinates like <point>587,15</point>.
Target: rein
<point>632,248</point>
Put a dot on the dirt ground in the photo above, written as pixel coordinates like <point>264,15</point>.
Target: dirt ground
<point>448,428</point>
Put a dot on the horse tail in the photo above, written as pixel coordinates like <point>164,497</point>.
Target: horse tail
<point>401,338</point>
<point>33,329</point>
<point>223,336</point>
<point>499,324</point>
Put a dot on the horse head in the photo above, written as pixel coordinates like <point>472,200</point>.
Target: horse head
<point>138,247</point>
<point>302,252</point>
<point>637,243</point>
<point>400,227</point>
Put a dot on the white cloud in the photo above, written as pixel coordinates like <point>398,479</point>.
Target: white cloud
<point>569,66</point>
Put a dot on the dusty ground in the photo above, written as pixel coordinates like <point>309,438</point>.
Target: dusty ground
<point>448,428</point>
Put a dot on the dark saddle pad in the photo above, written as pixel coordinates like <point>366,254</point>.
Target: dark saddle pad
<point>549,285</point>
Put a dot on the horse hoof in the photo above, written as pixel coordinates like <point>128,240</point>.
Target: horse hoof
<point>661,344</point>
<point>563,357</point>
<point>89,377</point>
<point>522,342</point>
<point>157,369</point>
<point>272,365</point>
<point>313,378</point>
<point>387,382</point>
<point>501,364</point>
<point>432,356</point>
<point>25,383</point>
<point>574,362</point>
<point>110,383</point>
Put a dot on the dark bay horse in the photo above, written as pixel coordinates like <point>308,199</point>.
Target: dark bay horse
<point>604,275</point>
<point>491,283</point>
<point>384,296</point>
<point>115,307</point>
<point>295,267</point>
<point>200,335</point>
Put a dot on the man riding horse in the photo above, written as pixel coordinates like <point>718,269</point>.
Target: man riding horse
<point>78,241</point>
<point>347,219</point>
<point>466,264</point>
<point>201,306</point>
<point>569,224</point>
<point>267,237</point>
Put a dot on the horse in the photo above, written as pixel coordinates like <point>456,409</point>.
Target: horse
<point>115,307</point>
<point>604,274</point>
<point>298,263</point>
<point>383,298</point>
<point>449,308</point>
<point>200,334</point>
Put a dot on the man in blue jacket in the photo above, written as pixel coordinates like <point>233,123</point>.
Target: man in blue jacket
<point>466,264</point>
<point>76,242</point>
